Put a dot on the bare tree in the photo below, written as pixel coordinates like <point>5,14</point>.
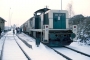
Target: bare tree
<point>71,13</point>
<point>70,9</point>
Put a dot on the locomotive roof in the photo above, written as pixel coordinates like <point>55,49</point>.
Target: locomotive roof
<point>42,10</point>
<point>31,18</point>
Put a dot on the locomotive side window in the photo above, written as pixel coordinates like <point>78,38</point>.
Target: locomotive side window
<point>46,19</point>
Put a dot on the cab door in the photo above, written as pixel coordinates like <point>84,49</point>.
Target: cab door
<point>59,21</point>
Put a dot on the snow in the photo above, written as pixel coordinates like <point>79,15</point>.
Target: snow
<point>79,47</point>
<point>42,52</point>
<point>1,43</point>
<point>11,49</point>
<point>71,54</point>
<point>74,44</point>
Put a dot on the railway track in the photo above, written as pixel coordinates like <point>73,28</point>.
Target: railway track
<point>78,51</point>
<point>62,54</point>
<point>4,48</point>
<point>30,46</point>
<point>69,57</point>
<point>27,44</point>
<point>71,54</point>
<point>23,50</point>
<point>3,42</point>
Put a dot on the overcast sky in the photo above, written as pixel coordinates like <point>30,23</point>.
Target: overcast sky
<point>22,10</point>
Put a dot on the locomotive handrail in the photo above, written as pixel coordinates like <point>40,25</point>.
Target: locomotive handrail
<point>40,30</point>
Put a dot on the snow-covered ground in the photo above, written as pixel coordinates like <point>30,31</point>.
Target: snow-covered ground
<point>42,52</point>
<point>74,45</point>
<point>37,53</point>
<point>79,47</point>
<point>72,54</point>
<point>11,50</point>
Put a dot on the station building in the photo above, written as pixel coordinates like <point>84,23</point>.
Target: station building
<point>2,23</point>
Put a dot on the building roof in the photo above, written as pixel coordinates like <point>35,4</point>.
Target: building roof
<point>2,19</point>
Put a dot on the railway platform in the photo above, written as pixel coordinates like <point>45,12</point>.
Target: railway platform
<point>9,50</point>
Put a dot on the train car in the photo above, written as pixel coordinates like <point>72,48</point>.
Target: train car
<point>26,27</point>
<point>51,27</point>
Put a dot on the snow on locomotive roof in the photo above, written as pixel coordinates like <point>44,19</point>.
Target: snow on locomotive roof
<point>42,10</point>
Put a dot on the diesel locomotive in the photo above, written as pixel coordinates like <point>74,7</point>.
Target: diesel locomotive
<point>50,27</point>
